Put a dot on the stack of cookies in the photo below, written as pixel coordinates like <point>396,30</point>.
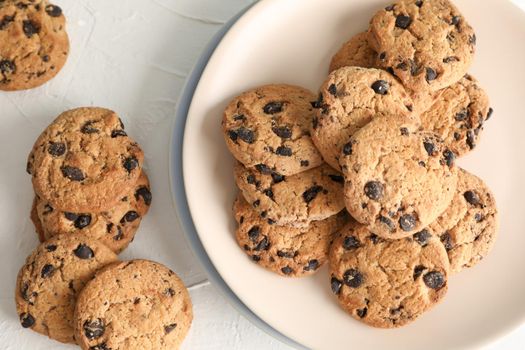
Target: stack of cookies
<point>91,193</point>
<point>363,174</point>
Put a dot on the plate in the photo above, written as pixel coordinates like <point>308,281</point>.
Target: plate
<point>292,41</point>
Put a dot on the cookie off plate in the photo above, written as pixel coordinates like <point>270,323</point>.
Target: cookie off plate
<point>291,41</point>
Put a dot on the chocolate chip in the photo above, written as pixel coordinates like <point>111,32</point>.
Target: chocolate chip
<point>430,74</point>
<point>337,178</point>
<point>82,221</point>
<point>449,157</point>
<point>305,163</point>
<point>478,217</point>
<point>51,248</point>
<point>232,134</point>
<point>489,114</point>
<point>387,222</point>
<point>130,216</point>
<point>407,222</point>
<point>282,131</point>
<point>461,115</point>
<point>374,190</point>
<point>434,280</point>
<point>53,10</point>
<point>169,328</point>
<point>264,244</point>
<point>56,149</point>
<point>263,169</point>
<point>7,67</point>
<point>5,21</point>
<point>72,173</point>
<point>336,285</point>
<point>455,20</point>
<point>94,329</point>
<point>284,151</point>
<point>312,265</point>
<point>27,320</point>
<point>256,203</point>
<point>381,87</point>
<point>287,270</point>
<point>375,238</point>
<point>332,89</point>
<point>353,278</point>
<point>390,8</point>
<point>30,28</point>
<point>287,255</point>
<point>253,233</point>
<point>269,193</point>
<point>70,216</point>
<point>47,271</point>
<point>471,197</point>
<point>419,3</point>
<point>118,133</point>
<point>145,193</point>
<point>273,107</point>
<point>391,70</point>
<point>471,139</point>
<point>84,252</point>
<point>263,214</point>
<point>239,117</point>
<point>351,243</point>
<point>256,258</point>
<point>447,241</point>
<point>246,135</point>
<point>422,237</point>
<point>418,270</point>
<point>361,312</point>
<point>310,194</point>
<point>88,128</point>
<point>347,149</point>
<point>403,21</point>
<point>130,164</point>
<point>251,179</point>
<point>102,346</point>
<point>429,147</point>
<point>404,131</point>
<point>382,56</point>
<point>472,39</point>
<point>276,178</point>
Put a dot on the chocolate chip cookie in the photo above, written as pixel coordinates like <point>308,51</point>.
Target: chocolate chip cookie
<point>468,228</point>
<point>84,161</point>
<point>49,282</point>
<point>34,45</point>
<point>269,126</point>
<point>285,250</point>
<point>387,283</point>
<point>349,99</point>
<point>398,179</point>
<point>428,44</point>
<point>355,52</point>
<point>115,228</point>
<point>294,200</point>
<point>136,304</point>
<point>458,115</point>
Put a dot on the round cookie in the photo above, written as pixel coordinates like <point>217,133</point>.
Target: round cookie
<point>458,115</point>
<point>349,99</point>
<point>296,200</point>
<point>287,251</point>
<point>427,43</point>
<point>84,161</point>
<point>387,283</point>
<point>136,304</point>
<point>355,52</point>
<point>115,228</point>
<point>269,126</point>
<point>398,179</point>
<point>468,228</point>
<point>34,41</point>
<point>50,280</point>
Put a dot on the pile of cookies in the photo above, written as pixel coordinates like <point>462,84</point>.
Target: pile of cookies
<point>363,174</point>
<point>91,193</point>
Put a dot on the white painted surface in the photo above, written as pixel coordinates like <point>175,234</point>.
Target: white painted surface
<point>131,56</point>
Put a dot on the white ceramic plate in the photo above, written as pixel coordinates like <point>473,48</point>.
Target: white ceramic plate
<point>291,41</point>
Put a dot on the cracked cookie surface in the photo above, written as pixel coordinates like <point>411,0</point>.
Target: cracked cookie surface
<point>287,251</point>
<point>387,283</point>
<point>349,99</point>
<point>398,179</point>
<point>355,52</point>
<point>49,282</point>
<point>458,115</point>
<point>427,43</point>
<point>84,161</point>
<point>34,41</point>
<point>269,126</point>
<point>115,228</point>
<point>296,200</point>
<point>469,227</point>
<point>136,304</point>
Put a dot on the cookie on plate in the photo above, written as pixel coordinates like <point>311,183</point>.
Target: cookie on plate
<point>349,99</point>
<point>468,228</point>
<point>115,228</point>
<point>355,52</point>
<point>427,44</point>
<point>294,200</point>
<point>34,41</point>
<point>398,179</point>
<point>50,280</point>
<point>84,161</point>
<point>285,250</point>
<point>458,115</point>
<point>269,126</point>
<point>387,283</point>
<point>136,304</point>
